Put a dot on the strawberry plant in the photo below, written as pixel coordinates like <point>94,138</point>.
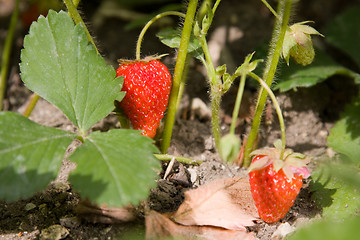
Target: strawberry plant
<point>60,65</point>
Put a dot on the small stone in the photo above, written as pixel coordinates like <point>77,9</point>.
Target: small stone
<point>193,175</point>
<point>54,232</point>
<point>29,206</point>
<point>283,230</point>
<point>62,186</point>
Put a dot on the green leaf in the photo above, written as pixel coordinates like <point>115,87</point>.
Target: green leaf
<point>60,65</point>
<point>323,67</point>
<point>337,198</point>
<point>344,137</point>
<point>329,230</point>
<point>344,33</point>
<point>30,155</point>
<point>115,168</point>
<point>172,37</point>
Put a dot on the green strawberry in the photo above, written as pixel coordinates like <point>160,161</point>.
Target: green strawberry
<point>275,183</point>
<point>147,85</point>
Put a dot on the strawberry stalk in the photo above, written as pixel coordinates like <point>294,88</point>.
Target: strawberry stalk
<point>6,53</point>
<point>277,108</point>
<point>284,9</point>
<point>148,24</point>
<point>178,74</point>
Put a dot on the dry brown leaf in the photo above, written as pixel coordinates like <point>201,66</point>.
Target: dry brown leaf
<point>225,203</point>
<point>159,226</point>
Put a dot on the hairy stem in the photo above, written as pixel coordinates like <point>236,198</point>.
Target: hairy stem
<point>5,59</point>
<point>74,14</point>
<point>178,74</point>
<point>215,84</point>
<point>215,92</point>
<point>148,24</point>
<point>284,9</point>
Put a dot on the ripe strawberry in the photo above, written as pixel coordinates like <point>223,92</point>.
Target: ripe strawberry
<point>147,85</point>
<point>275,183</point>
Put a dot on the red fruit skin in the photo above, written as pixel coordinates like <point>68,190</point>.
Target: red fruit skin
<point>273,192</point>
<point>147,86</point>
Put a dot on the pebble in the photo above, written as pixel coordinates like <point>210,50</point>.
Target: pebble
<point>283,230</point>
<point>29,206</point>
<point>54,232</point>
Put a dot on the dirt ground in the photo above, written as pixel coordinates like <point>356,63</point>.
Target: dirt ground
<point>239,27</point>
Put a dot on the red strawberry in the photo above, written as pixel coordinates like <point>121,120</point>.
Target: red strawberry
<point>147,85</point>
<point>275,183</point>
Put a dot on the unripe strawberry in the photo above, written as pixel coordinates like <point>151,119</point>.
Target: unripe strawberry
<point>147,85</point>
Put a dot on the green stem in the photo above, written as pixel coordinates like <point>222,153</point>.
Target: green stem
<point>215,83</point>
<point>216,5</point>
<point>236,110</point>
<point>74,14</point>
<point>215,122</point>
<point>31,105</point>
<point>284,8</point>
<point>5,59</point>
<point>277,108</point>
<point>167,157</point>
<point>148,24</point>
<point>178,73</point>
<point>76,3</point>
<point>183,81</point>
<point>215,91</point>
<point>271,9</point>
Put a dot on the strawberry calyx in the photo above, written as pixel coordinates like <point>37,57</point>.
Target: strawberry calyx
<point>143,60</point>
<point>292,163</point>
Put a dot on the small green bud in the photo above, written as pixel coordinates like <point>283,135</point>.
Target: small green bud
<point>196,29</point>
<point>221,70</point>
<point>298,44</point>
<point>227,81</point>
<point>229,147</point>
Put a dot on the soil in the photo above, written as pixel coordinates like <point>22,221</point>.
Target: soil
<point>309,115</point>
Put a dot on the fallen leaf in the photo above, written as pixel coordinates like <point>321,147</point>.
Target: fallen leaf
<point>159,226</point>
<point>225,203</point>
